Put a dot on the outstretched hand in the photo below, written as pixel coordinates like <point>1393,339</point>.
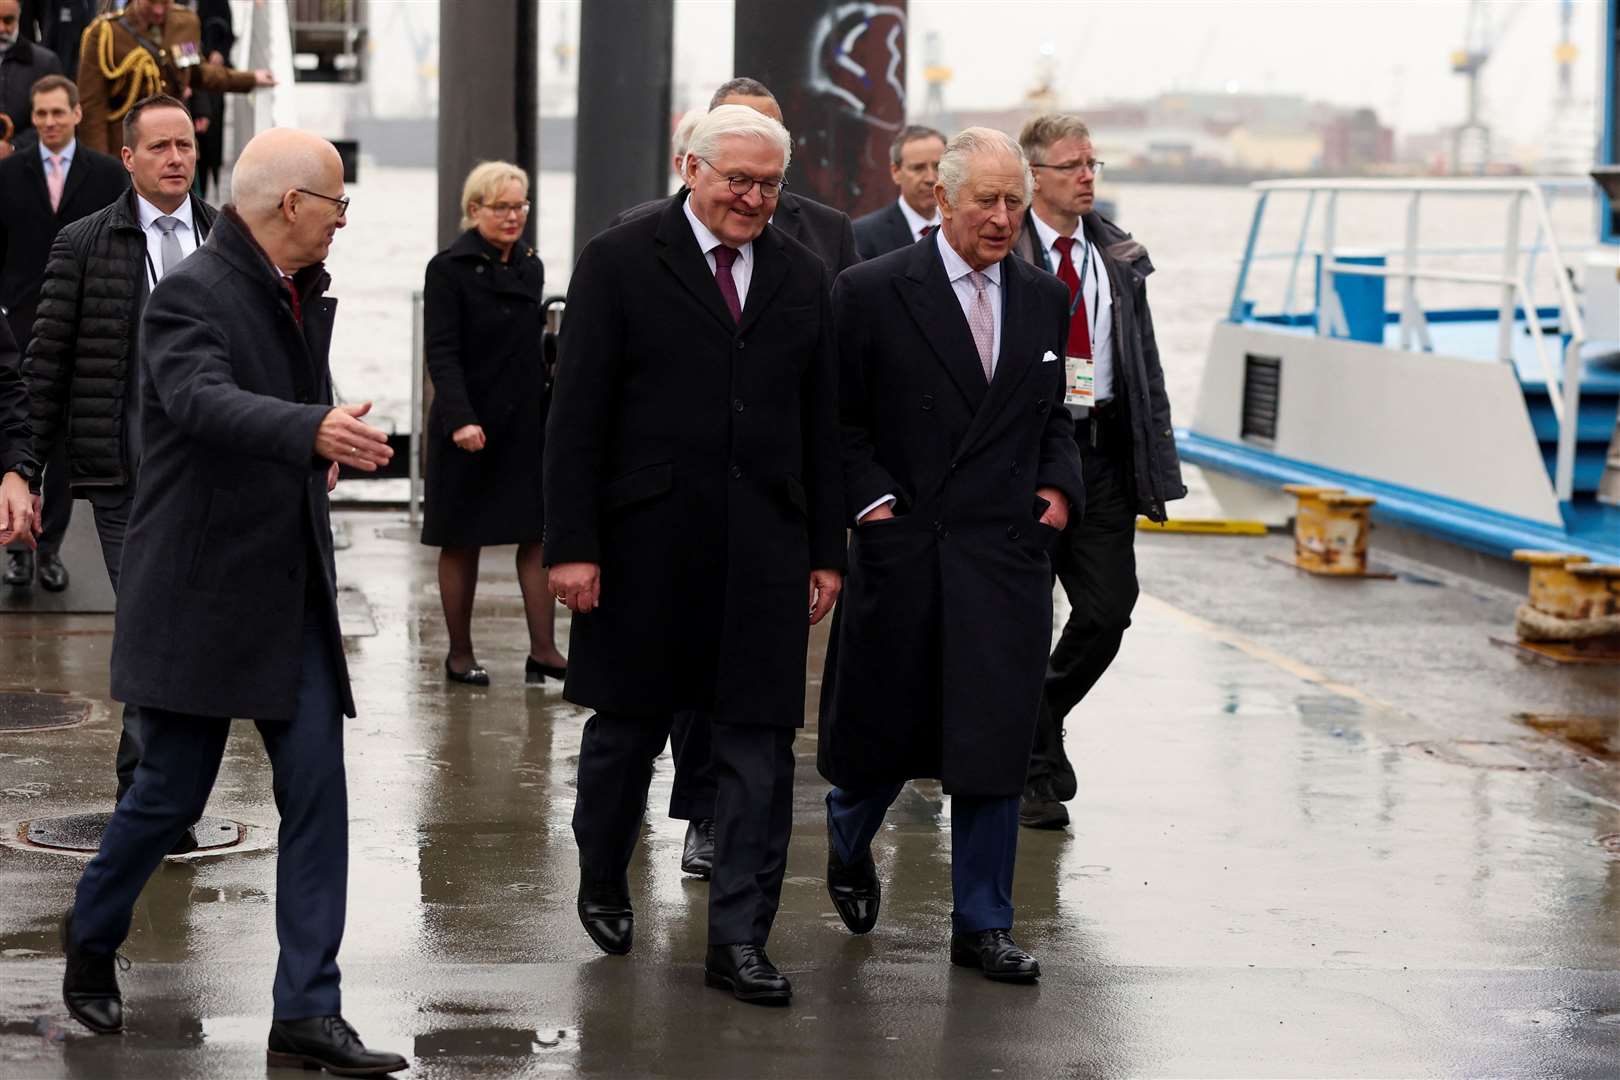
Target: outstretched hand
<point>343,439</point>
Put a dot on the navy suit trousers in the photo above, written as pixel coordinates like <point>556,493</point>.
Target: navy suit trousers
<point>984,845</point>
<point>179,761</point>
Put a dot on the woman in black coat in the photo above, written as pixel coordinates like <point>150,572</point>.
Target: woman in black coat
<point>486,429</point>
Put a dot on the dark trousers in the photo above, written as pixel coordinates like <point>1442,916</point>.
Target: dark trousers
<point>177,770</point>
<point>1095,561</point>
<point>753,772</point>
<point>111,507</point>
<point>984,846</point>
<point>692,796</point>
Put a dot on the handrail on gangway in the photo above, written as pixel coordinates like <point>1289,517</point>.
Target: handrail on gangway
<point>1514,281</point>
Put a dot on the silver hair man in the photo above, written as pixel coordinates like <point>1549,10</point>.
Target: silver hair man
<point>732,121</point>
<point>972,142</point>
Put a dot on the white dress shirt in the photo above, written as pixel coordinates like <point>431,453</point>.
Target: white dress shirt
<point>1098,296</point>
<point>742,268</point>
<point>916,220</point>
<point>185,232</point>
<point>957,271</point>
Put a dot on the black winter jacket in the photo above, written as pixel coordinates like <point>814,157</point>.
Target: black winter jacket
<point>84,346</point>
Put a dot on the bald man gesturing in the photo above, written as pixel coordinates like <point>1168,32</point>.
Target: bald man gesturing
<point>228,603</point>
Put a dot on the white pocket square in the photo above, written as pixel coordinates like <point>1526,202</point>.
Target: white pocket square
<point>1049,357</point>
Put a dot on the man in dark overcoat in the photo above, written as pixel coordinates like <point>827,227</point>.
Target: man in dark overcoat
<point>693,519</point>
<point>1122,427</point>
<point>228,605</point>
<point>959,473</point>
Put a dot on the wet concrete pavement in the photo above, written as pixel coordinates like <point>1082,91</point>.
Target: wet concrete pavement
<point>1312,839</point>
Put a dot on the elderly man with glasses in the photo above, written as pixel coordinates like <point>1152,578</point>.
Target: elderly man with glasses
<point>693,525</point>
<point>1115,390</point>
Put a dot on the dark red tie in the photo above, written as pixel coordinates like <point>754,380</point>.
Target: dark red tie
<point>1079,329</point>
<point>926,230</point>
<point>723,258</point>
<point>292,294</point>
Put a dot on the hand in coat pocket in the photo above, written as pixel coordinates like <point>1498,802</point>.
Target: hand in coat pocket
<point>1056,513</point>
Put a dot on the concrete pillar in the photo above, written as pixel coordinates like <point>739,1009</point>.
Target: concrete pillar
<point>839,71</point>
<point>623,125</point>
<point>489,98</point>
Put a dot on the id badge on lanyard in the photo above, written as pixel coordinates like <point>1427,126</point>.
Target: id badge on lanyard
<point>1081,387</point>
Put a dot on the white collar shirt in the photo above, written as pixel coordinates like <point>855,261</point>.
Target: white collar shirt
<point>742,269</point>
<point>1099,300</point>
<point>185,232</point>
<point>916,221</point>
<point>957,271</point>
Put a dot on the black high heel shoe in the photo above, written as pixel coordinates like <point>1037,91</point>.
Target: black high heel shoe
<point>473,676</point>
<point>534,672</point>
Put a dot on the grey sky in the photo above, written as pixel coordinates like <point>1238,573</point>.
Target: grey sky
<point>1391,54</point>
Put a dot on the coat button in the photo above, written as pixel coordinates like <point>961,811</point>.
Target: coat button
<point>955,465</point>
<point>927,402</point>
<point>1040,406</point>
<point>941,530</point>
<point>736,472</point>
<point>741,343</point>
<point>1016,469</point>
<point>737,405</point>
<point>1169,434</point>
<point>1013,533</point>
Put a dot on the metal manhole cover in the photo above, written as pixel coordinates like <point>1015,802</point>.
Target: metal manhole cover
<point>24,710</point>
<point>82,832</point>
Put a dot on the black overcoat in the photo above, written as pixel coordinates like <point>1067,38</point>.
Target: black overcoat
<point>483,326</point>
<point>883,231</point>
<point>28,225</point>
<point>230,534</point>
<point>696,461</point>
<point>940,642</point>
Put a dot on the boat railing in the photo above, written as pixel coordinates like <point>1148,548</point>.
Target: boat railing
<point>1512,283</point>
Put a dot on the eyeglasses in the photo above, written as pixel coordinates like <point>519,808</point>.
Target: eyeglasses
<point>1095,168</point>
<point>341,200</point>
<point>742,185</point>
<point>507,209</point>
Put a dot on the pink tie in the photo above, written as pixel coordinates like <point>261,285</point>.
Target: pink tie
<point>56,181</point>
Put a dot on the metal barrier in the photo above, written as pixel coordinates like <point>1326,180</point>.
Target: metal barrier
<point>1514,281</point>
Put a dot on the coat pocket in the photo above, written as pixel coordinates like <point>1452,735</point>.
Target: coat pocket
<point>219,519</point>
<point>639,485</point>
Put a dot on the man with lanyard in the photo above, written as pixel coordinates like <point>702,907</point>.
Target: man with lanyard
<point>84,360</point>
<point>1115,390</point>
<point>150,48</point>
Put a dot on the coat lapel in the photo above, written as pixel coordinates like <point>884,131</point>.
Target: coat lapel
<point>678,250</point>
<point>900,226</point>
<point>770,270</point>
<point>928,295</point>
<point>1018,352</point>
<point>788,218</point>
<point>75,179</point>
<point>36,171</point>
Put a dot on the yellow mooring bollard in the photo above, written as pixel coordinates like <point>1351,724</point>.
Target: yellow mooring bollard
<point>1331,531</point>
<point>1573,613</point>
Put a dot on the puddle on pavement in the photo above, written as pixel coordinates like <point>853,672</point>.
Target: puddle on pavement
<point>495,1042</point>
<point>1598,736</point>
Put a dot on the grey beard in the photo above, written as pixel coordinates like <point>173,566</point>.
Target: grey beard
<point>7,41</point>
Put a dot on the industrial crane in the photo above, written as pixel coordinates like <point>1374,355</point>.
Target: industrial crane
<point>1471,141</point>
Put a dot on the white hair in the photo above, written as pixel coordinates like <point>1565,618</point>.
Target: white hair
<point>733,121</point>
<point>973,142</point>
<point>682,138</point>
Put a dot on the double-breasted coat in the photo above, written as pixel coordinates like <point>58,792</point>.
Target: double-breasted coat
<point>484,326</point>
<point>230,539</point>
<point>695,460</point>
<point>940,641</point>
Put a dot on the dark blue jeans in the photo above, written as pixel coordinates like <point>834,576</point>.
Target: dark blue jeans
<point>984,845</point>
<point>179,761</point>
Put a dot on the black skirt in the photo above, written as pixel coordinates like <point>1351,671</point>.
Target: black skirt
<point>489,497</point>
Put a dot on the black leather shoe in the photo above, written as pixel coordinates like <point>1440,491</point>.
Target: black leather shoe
<point>996,954</point>
<point>606,914</point>
<point>186,844</point>
<point>855,890</point>
<point>90,985</point>
<point>748,973</point>
<point>697,854</point>
<point>473,676</point>
<point>52,574</point>
<point>327,1042</point>
<point>534,672</point>
<point>19,569</point>
<point>1039,808</point>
